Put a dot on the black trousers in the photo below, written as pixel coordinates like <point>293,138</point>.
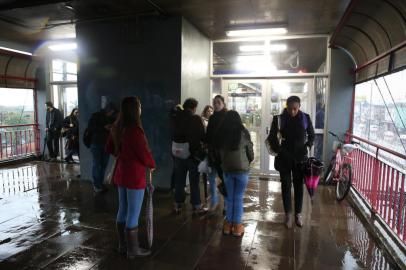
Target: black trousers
<point>295,174</point>
<point>182,167</point>
<point>53,144</point>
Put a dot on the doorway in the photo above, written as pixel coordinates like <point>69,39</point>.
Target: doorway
<point>258,100</point>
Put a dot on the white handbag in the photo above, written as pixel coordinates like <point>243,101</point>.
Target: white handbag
<point>180,150</point>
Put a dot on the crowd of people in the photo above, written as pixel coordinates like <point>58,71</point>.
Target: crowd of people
<point>214,146</point>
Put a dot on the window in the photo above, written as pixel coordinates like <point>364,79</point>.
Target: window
<point>63,71</point>
<point>16,106</point>
<point>380,111</point>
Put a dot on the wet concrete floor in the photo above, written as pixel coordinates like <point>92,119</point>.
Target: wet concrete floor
<point>51,220</point>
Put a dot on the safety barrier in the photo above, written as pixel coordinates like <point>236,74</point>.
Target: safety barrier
<point>18,141</point>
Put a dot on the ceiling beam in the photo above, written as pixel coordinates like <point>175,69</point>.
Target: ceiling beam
<point>27,3</point>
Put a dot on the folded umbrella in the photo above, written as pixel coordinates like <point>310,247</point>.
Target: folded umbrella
<point>312,169</point>
<point>149,210</point>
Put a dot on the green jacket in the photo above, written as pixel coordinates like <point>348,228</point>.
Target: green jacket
<point>238,160</point>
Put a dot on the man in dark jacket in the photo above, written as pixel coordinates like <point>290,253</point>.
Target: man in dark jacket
<point>291,134</point>
<point>54,120</point>
<point>188,129</point>
<point>99,127</point>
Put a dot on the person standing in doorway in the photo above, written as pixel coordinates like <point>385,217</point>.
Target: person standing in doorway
<point>215,122</point>
<point>99,127</point>
<point>296,135</point>
<point>129,145</point>
<point>236,153</point>
<point>54,120</point>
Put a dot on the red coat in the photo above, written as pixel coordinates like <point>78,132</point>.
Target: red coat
<point>132,160</point>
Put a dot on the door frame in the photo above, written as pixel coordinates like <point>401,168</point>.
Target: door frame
<point>265,107</point>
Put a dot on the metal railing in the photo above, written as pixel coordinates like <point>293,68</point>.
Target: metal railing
<point>379,177</point>
<point>18,141</point>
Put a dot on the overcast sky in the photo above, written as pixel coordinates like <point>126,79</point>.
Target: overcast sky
<point>17,97</point>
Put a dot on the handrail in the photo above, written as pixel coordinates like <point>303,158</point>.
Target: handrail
<point>22,125</point>
<point>377,146</point>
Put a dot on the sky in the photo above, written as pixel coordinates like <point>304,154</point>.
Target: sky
<point>17,97</point>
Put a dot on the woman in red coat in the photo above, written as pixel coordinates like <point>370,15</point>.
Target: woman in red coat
<point>127,142</point>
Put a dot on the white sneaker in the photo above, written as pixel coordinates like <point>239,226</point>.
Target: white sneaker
<point>288,221</point>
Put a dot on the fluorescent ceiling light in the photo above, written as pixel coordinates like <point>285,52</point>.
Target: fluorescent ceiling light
<point>263,48</point>
<point>259,31</point>
<point>16,51</point>
<point>63,47</point>
<point>252,58</point>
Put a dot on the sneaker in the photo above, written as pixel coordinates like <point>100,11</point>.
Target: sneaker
<point>288,221</point>
<point>238,230</point>
<point>299,220</point>
<point>227,227</point>
<point>200,211</point>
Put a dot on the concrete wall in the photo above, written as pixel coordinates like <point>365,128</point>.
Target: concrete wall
<point>339,99</point>
<point>134,56</point>
<point>195,65</point>
<point>41,89</point>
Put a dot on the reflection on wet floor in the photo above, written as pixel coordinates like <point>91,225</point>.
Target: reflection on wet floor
<point>51,220</point>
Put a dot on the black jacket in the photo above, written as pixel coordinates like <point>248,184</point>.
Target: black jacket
<point>295,138</point>
<point>71,131</point>
<point>188,127</point>
<point>96,127</point>
<point>54,120</point>
<point>213,126</point>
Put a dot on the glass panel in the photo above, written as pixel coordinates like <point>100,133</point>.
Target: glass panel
<point>245,98</point>
<point>380,111</point>
<point>321,86</point>
<point>16,106</point>
<point>57,66</point>
<point>71,95</point>
<point>71,77</point>
<point>55,94</point>
<point>270,57</point>
<point>71,68</point>
<point>318,146</point>
<point>280,91</point>
<point>57,77</point>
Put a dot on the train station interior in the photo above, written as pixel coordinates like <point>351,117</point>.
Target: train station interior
<point>344,59</point>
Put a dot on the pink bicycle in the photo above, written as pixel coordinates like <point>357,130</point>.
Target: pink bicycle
<point>339,171</point>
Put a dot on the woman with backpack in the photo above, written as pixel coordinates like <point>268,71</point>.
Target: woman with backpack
<point>291,134</point>
<point>236,153</point>
<point>127,142</point>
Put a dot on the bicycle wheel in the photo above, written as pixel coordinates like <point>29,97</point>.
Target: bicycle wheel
<point>328,176</point>
<point>344,182</point>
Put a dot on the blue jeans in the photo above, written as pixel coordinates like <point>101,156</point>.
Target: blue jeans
<point>100,161</point>
<point>129,208</point>
<point>214,199</point>
<point>235,184</point>
<point>182,167</point>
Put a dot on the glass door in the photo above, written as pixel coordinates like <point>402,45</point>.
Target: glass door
<point>277,94</point>
<point>245,97</point>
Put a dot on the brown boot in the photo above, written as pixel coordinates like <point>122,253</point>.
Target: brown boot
<point>238,230</point>
<point>227,227</point>
<point>122,246</point>
<point>133,246</point>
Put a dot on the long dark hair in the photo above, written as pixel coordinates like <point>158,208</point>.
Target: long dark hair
<point>72,114</point>
<point>129,116</point>
<point>229,134</point>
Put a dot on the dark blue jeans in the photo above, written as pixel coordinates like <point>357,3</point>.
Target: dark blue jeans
<point>100,161</point>
<point>182,167</point>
